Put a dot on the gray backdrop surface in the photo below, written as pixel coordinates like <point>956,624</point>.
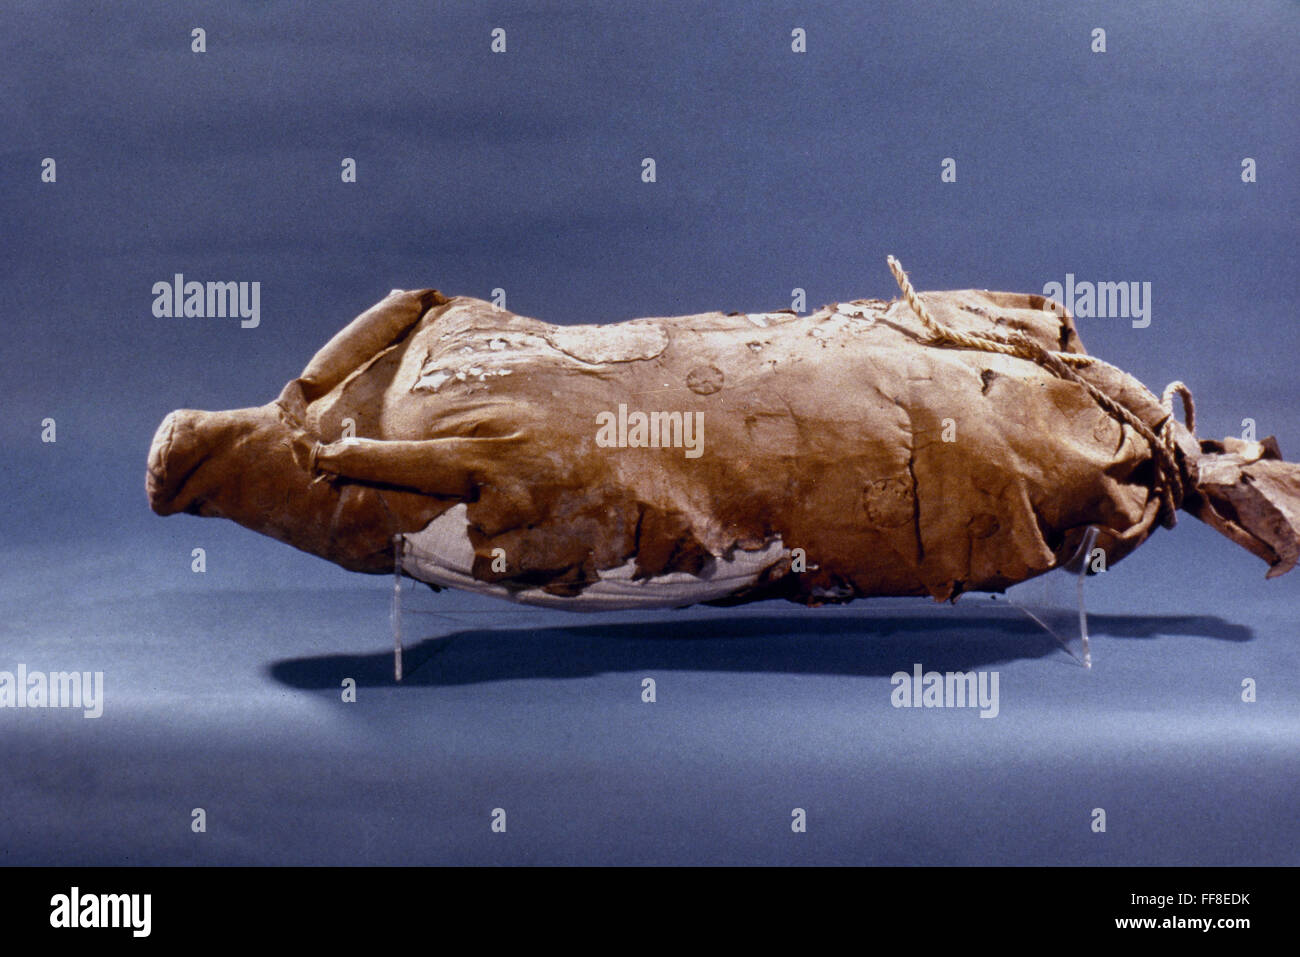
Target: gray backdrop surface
<point>522,170</point>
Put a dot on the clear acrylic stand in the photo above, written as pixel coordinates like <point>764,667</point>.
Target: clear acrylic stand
<point>395,614</point>
<point>401,607</point>
<point>1053,600</point>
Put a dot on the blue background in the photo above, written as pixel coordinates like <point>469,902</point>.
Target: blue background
<point>522,171</point>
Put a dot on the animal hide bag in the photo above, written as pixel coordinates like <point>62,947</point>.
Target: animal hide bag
<point>957,441</point>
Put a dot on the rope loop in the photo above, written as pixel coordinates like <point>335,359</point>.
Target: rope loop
<point>1189,405</point>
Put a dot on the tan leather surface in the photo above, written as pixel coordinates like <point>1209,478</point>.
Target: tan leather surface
<point>898,468</point>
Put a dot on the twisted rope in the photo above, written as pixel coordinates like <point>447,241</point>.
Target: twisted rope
<point>1189,406</point>
<point>1062,365</point>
